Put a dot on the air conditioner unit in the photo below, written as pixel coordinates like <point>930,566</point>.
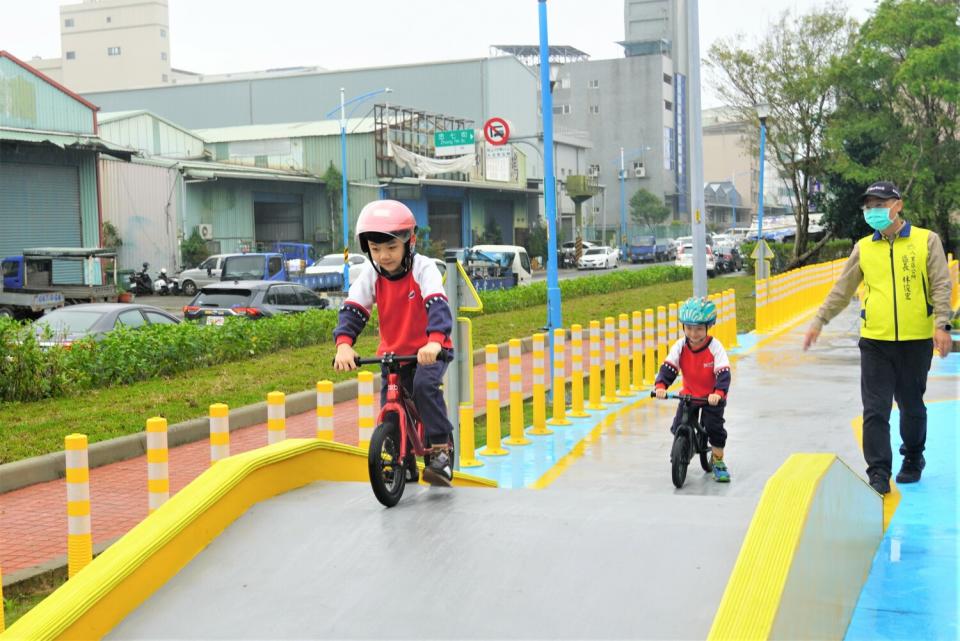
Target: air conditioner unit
<point>639,171</point>
<point>205,230</point>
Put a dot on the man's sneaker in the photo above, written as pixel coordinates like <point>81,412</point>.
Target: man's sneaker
<point>439,471</point>
<point>880,483</point>
<point>911,469</point>
<point>720,472</point>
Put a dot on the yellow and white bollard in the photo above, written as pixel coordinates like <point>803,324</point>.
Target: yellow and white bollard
<point>492,368</point>
<point>276,417</point>
<point>609,362</point>
<point>673,328</point>
<point>325,410</point>
<point>662,339</point>
<point>637,350</point>
<point>219,432</point>
<point>365,415</point>
<point>79,536</point>
<point>761,306</point>
<point>624,335</point>
<point>468,455</point>
<point>158,455</point>
<point>595,367</point>
<point>559,379</point>
<point>650,364</point>
<point>539,387</point>
<point>576,371</point>
<point>731,298</point>
<point>517,436</point>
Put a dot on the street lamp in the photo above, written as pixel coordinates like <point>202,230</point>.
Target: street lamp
<point>343,171</point>
<point>554,319</point>
<point>763,112</point>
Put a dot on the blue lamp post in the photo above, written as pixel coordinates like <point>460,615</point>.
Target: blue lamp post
<point>763,112</point>
<point>343,172</point>
<point>554,320</point>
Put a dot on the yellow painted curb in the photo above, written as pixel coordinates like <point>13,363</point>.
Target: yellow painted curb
<point>806,554</point>
<point>94,601</point>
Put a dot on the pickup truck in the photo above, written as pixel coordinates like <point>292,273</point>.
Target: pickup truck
<point>273,266</point>
<point>25,304</point>
<point>42,270</point>
<point>647,248</point>
<point>297,251</point>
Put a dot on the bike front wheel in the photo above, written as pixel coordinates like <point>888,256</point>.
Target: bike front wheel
<point>679,459</point>
<point>706,456</point>
<point>387,475</point>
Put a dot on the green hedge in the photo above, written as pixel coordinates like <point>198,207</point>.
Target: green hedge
<point>783,254</point>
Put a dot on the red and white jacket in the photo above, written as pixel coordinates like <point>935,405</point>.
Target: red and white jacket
<point>705,370</point>
<point>413,308</point>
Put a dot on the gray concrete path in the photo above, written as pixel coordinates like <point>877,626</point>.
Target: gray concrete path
<point>609,550</point>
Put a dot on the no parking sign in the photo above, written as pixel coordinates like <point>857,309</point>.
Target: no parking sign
<point>496,131</point>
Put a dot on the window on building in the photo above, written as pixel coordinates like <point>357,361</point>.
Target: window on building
<point>565,82</point>
<point>667,79</point>
<point>113,51</point>
<point>668,105</point>
<point>163,33</point>
<point>163,55</point>
<point>593,170</point>
<point>594,84</point>
<point>561,110</point>
<point>109,19</point>
<point>68,22</point>
<point>594,109</point>
<point>71,55</point>
<point>164,77</point>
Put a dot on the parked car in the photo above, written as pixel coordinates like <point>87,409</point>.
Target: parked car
<point>728,257</point>
<point>685,258</point>
<point>252,299</point>
<point>672,246</point>
<point>66,325</point>
<point>602,257</point>
<point>205,273</point>
<point>333,264</point>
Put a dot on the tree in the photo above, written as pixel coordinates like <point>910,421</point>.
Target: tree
<point>897,116</point>
<point>788,70</point>
<point>333,181</point>
<point>646,209</point>
<point>193,250</point>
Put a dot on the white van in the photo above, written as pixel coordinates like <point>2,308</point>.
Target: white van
<point>510,259</point>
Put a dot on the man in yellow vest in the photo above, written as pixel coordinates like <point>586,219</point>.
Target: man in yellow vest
<point>906,303</point>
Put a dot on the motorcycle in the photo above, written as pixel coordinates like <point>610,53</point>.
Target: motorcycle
<point>166,284</point>
<point>140,282</point>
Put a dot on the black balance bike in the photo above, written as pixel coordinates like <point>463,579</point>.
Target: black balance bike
<point>690,439</point>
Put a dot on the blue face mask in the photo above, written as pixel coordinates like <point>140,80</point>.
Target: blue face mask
<point>877,217</point>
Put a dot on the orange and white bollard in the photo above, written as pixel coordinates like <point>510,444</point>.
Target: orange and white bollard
<point>595,367</point>
<point>624,333</point>
<point>276,417</point>
<point>79,536</point>
<point>219,432</point>
<point>559,379</point>
<point>364,409</point>
<point>650,364</point>
<point>539,387</point>
<point>636,344</point>
<point>468,453</point>
<point>517,436</point>
<point>609,362</point>
<point>325,410</point>
<point>576,371</point>
<point>158,455</point>
<point>492,367</point>
<point>662,338</point>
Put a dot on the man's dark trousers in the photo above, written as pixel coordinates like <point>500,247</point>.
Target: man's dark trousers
<point>893,370</point>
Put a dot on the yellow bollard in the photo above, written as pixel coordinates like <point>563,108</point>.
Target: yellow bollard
<point>663,340</point>
<point>595,401</point>
<point>365,417</point>
<point>733,317</point>
<point>325,410</point>
<point>609,362</point>
<point>79,537</point>
<point>624,333</point>
<point>672,326</point>
<point>650,364</point>
<point>219,432</point>
<point>539,388</point>
<point>637,351</point>
<point>559,379</point>
<point>492,367</point>
<point>516,395</point>
<point>276,417</point>
<point>761,303</point>
<point>158,472</point>
<point>468,457</point>
<point>576,371</point>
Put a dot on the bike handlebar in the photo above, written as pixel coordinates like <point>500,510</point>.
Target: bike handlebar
<point>445,356</point>
<point>682,397</point>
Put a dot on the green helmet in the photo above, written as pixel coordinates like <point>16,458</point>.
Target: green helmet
<point>698,311</point>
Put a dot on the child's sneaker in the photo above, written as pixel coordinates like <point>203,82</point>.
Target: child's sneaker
<point>439,470</point>
<point>720,473</point>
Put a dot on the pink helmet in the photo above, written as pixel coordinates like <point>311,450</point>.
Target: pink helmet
<point>386,218</point>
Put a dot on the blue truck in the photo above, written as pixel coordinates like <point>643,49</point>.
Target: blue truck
<point>647,248</point>
<point>52,276</point>
<point>274,266</point>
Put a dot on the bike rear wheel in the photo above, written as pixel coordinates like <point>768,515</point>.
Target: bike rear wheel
<point>680,459</point>
<point>387,474</point>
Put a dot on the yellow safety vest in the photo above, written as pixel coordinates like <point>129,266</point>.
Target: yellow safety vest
<point>896,304</point>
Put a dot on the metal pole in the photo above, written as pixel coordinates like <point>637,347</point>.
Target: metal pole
<point>343,196</point>
<point>554,320</point>
<point>695,135</point>
<point>623,210</point>
<point>761,265</point>
<point>452,385</point>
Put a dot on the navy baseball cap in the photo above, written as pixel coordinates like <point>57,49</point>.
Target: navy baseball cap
<point>882,189</point>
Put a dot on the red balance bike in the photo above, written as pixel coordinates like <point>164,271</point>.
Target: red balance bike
<point>690,439</point>
<point>399,437</point>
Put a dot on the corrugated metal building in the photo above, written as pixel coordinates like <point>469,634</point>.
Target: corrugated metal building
<point>48,165</point>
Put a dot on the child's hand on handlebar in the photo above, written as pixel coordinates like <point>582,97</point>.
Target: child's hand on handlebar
<point>714,399</point>
<point>345,360</point>
<point>427,355</point>
<point>660,392</point>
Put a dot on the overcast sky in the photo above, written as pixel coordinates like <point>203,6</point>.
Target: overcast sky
<point>217,36</point>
